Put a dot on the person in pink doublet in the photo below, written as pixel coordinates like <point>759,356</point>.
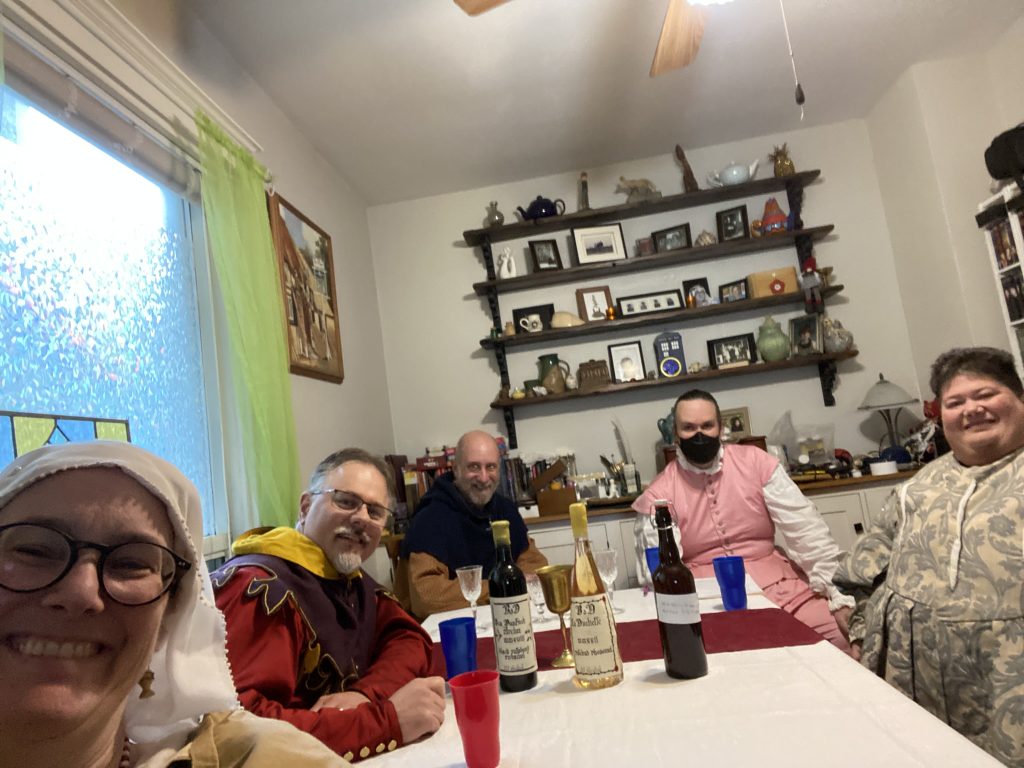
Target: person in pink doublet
<point>730,500</point>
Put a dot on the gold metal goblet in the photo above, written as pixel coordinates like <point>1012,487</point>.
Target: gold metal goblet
<point>554,580</point>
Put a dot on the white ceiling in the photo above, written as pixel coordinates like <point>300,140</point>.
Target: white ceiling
<point>409,98</point>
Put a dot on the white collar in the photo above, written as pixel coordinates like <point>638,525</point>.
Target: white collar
<point>716,464</point>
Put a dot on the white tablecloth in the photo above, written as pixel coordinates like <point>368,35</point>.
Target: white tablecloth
<point>804,706</point>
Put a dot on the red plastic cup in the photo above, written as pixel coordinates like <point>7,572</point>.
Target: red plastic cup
<point>475,695</point>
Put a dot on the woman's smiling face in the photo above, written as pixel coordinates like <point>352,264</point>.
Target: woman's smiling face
<point>69,654</point>
<point>983,420</point>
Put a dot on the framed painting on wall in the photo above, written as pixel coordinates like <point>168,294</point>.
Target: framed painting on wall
<point>306,266</point>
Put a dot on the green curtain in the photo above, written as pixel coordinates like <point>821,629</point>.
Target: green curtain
<point>243,255</point>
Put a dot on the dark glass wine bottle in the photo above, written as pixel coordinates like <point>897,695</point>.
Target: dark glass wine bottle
<point>675,596</point>
<point>514,647</point>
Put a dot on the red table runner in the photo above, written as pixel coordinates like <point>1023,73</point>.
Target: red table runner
<point>748,630</point>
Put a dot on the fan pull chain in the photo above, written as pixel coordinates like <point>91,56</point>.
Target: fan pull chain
<point>799,88</point>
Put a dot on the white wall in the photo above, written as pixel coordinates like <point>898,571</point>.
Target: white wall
<point>327,416</point>
<point>928,134</point>
<point>441,382</point>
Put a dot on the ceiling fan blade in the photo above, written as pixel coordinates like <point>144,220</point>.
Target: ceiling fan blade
<point>680,37</point>
<point>476,7</point>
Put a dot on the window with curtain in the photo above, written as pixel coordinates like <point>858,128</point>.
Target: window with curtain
<point>99,303</point>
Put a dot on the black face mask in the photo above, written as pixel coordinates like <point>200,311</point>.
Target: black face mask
<point>699,449</point>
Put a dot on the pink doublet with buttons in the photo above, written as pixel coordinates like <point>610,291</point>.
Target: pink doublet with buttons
<point>722,511</point>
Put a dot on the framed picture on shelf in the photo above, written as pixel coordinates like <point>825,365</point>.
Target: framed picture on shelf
<point>650,302</point>
<point>735,291</point>
<point>805,335</point>
<point>596,244</point>
<point>593,303</point>
<point>672,239</point>
<point>732,224</point>
<point>533,319</point>
<point>737,422</point>
<point>544,254</point>
<point>627,362</point>
<point>305,263</point>
<point>697,292</point>
<point>732,351</point>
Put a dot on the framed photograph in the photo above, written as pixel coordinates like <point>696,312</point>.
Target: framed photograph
<point>533,319</point>
<point>545,255</point>
<point>627,362</point>
<point>697,292</point>
<point>593,303</point>
<point>732,351</point>
<point>595,244</point>
<point>735,423</point>
<point>650,302</point>
<point>729,292</point>
<point>306,266</point>
<point>805,335</point>
<point>672,239</point>
<point>732,224</point>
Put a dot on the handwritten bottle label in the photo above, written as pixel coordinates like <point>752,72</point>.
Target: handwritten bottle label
<point>594,643</point>
<point>677,609</point>
<point>514,648</point>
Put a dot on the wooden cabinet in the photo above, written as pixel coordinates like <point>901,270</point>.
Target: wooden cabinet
<point>800,238</point>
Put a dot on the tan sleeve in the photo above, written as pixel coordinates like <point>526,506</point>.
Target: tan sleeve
<point>531,559</point>
<point>430,589</point>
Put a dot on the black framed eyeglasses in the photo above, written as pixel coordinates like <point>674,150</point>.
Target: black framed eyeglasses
<point>347,501</point>
<point>34,557</point>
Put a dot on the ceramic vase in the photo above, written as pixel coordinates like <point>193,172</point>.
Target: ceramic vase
<point>772,342</point>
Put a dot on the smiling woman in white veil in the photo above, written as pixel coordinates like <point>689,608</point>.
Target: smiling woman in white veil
<point>111,648</point>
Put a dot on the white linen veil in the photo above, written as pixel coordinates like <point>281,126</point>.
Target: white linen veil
<point>190,666</point>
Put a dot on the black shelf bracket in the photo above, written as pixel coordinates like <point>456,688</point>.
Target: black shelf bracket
<point>828,373</point>
<point>795,197</point>
<point>502,360</point>
<point>510,427</point>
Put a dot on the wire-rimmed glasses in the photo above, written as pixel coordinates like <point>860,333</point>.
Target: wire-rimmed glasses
<point>350,502</point>
<point>34,557</point>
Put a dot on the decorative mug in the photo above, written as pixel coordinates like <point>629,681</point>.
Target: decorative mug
<point>531,323</point>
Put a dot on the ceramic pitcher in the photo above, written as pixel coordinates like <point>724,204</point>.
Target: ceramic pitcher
<point>552,373</point>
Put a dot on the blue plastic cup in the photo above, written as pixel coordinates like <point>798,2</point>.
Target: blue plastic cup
<point>731,577</point>
<point>653,559</point>
<point>458,643</point>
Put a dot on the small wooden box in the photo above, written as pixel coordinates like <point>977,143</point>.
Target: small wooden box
<point>760,282</point>
<point>556,502</point>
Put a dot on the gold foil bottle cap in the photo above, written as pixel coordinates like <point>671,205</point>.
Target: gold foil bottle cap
<point>499,529</point>
<point>578,518</point>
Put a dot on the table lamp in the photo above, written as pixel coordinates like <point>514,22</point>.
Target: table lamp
<point>888,399</point>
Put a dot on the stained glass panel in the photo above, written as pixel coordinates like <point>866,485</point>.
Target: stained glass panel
<point>98,308</point>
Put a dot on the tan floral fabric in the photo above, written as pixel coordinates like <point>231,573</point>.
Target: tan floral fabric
<point>940,606</point>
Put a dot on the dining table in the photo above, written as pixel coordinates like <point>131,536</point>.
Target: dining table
<point>776,693</point>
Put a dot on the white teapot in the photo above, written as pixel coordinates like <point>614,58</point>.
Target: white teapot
<point>735,173</point>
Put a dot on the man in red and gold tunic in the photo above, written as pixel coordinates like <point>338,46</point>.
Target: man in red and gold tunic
<point>315,641</point>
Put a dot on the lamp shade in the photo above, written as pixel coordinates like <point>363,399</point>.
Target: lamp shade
<point>884,395</point>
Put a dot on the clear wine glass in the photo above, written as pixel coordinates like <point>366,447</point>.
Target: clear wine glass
<point>469,583</point>
<point>608,567</point>
<point>536,590</point>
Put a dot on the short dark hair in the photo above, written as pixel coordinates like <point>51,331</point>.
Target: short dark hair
<point>344,456</point>
<point>698,394</point>
<point>992,363</point>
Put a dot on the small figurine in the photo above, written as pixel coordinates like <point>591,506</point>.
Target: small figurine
<point>837,338</point>
<point>696,367</point>
<point>810,281</point>
<point>637,190</point>
<point>570,382</point>
<point>495,218</point>
<point>584,193</point>
<point>689,180</point>
<point>772,220</point>
<point>506,264</point>
<point>782,162</point>
<point>705,238</point>
<point>517,394</point>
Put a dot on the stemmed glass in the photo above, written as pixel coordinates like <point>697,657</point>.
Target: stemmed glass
<point>469,583</point>
<point>608,566</point>
<point>536,590</point>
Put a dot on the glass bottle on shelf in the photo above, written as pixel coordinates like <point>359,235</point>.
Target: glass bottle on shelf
<point>675,596</point>
<point>514,648</point>
<point>595,644</point>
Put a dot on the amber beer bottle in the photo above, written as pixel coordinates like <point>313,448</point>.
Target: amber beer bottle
<point>595,644</point>
<point>675,596</point>
<point>514,647</point>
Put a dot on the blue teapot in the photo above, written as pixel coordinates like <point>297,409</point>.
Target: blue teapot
<point>542,208</point>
